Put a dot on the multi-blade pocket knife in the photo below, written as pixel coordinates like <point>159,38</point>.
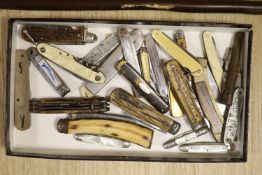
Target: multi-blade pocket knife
<point>142,86</point>
<point>48,72</point>
<point>69,105</point>
<point>141,110</point>
<point>57,34</point>
<point>119,129</point>
<point>204,93</point>
<point>22,118</point>
<point>108,67</point>
<point>69,63</point>
<point>157,70</point>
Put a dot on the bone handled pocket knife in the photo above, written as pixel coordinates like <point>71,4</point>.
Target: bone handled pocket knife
<point>69,63</point>
<point>144,64</point>
<point>204,93</point>
<point>57,34</point>
<point>117,129</point>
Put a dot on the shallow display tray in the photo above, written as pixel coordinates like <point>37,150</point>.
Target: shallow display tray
<point>43,140</point>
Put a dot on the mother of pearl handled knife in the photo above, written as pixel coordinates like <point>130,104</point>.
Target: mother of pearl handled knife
<point>141,110</point>
<point>142,86</point>
<point>67,61</point>
<point>110,128</point>
<point>204,93</point>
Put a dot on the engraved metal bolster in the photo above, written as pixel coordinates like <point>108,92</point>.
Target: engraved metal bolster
<point>22,118</point>
<point>69,105</point>
<point>57,34</point>
<point>48,72</point>
<point>111,128</point>
<point>142,87</point>
<point>141,110</point>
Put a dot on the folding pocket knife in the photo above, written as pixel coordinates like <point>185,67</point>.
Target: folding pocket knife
<point>204,93</point>
<point>69,63</point>
<point>118,129</point>
<point>57,34</point>
<point>22,118</point>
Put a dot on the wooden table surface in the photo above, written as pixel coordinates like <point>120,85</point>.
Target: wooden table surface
<point>33,166</point>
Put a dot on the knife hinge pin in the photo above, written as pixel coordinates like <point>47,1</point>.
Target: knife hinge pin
<point>42,49</point>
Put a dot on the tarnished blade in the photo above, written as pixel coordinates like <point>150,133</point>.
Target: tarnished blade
<point>48,72</point>
<point>108,67</point>
<point>157,70</point>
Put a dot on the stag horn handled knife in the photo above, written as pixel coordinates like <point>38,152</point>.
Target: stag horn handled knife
<point>141,110</point>
<point>110,128</point>
<point>69,63</point>
<point>142,86</point>
<point>206,98</point>
<point>57,34</point>
<point>213,59</point>
<point>22,118</point>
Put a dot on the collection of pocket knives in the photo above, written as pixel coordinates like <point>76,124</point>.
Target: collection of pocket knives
<point>207,91</point>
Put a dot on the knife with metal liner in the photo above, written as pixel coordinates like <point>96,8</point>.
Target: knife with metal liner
<point>110,128</point>
<point>57,34</point>
<point>108,67</point>
<point>142,87</point>
<point>22,118</point>
<point>213,59</point>
<point>69,105</point>
<point>233,69</point>
<point>69,63</point>
<point>141,110</point>
<point>98,55</point>
<point>157,70</point>
<point>204,93</point>
<point>48,72</point>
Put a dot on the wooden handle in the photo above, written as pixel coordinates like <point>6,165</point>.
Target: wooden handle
<point>142,87</point>
<point>181,89</point>
<point>116,129</point>
<point>22,95</point>
<point>141,110</point>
